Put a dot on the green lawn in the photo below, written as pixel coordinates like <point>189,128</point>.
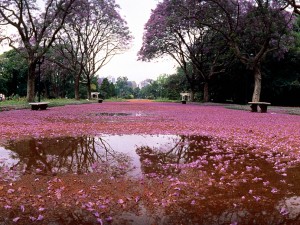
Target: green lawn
<point>23,104</point>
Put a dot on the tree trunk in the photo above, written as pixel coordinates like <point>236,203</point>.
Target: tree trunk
<point>206,96</point>
<point>47,94</point>
<point>257,84</point>
<point>192,96</point>
<point>193,91</point>
<point>31,82</point>
<point>88,85</point>
<point>76,87</point>
<point>63,88</point>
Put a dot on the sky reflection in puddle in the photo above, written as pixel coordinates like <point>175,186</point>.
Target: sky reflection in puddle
<point>206,181</point>
<point>83,154</point>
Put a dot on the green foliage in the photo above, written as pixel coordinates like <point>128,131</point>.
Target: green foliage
<point>150,91</point>
<point>166,87</point>
<point>94,84</point>
<point>3,84</point>
<point>136,92</point>
<point>280,86</point>
<point>57,81</point>
<point>13,73</point>
<point>164,100</point>
<point>174,84</point>
<point>115,100</point>
<point>112,90</point>
<point>296,34</point>
<point>21,103</point>
<point>282,80</point>
<point>107,89</point>
<point>123,90</point>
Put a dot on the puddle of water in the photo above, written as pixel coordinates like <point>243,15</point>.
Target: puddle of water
<point>84,154</point>
<point>117,114</point>
<point>231,183</point>
<point>112,114</point>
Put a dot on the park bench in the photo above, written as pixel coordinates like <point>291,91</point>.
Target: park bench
<point>39,105</point>
<point>262,105</point>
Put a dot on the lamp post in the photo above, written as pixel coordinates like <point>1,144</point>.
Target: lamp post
<point>39,62</point>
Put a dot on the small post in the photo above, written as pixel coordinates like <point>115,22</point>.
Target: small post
<point>185,96</point>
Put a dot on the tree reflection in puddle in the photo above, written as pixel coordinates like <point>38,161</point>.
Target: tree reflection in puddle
<point>67,155</point>
<point>183,179</point>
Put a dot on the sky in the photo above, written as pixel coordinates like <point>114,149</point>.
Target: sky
<point>137,13</point>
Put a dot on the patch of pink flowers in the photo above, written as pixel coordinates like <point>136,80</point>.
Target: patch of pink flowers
<point>272,131</point>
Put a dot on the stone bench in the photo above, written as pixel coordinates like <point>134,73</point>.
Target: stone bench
<point>39,105</point>
<point>262,105</point>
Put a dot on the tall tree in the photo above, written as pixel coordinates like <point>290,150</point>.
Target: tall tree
<point>122,88</point>
<point>162,37</point>
<point>151,91</point>
<point>91,39</point>
<point>57,82</point>
<point>105,89</point>
<point>68,55</point>
<point>173,30</point>
<point>34,30</point>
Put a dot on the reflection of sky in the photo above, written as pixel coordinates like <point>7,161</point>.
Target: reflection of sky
<point>129,143</point>
<point>285,205</point>
<point>290,205</point>
<point>243,167</point>
<point>5,157</point>
<point>126,144</point>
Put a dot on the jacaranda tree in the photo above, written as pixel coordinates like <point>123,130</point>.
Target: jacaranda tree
<point>173,29</point>
<point>165,34</point>
<point>252,29</point>
<point>27,28</point>
<point>89,40</point>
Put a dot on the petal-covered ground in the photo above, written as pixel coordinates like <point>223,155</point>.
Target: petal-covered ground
<point>280,132</point>
<point>247,170</point>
